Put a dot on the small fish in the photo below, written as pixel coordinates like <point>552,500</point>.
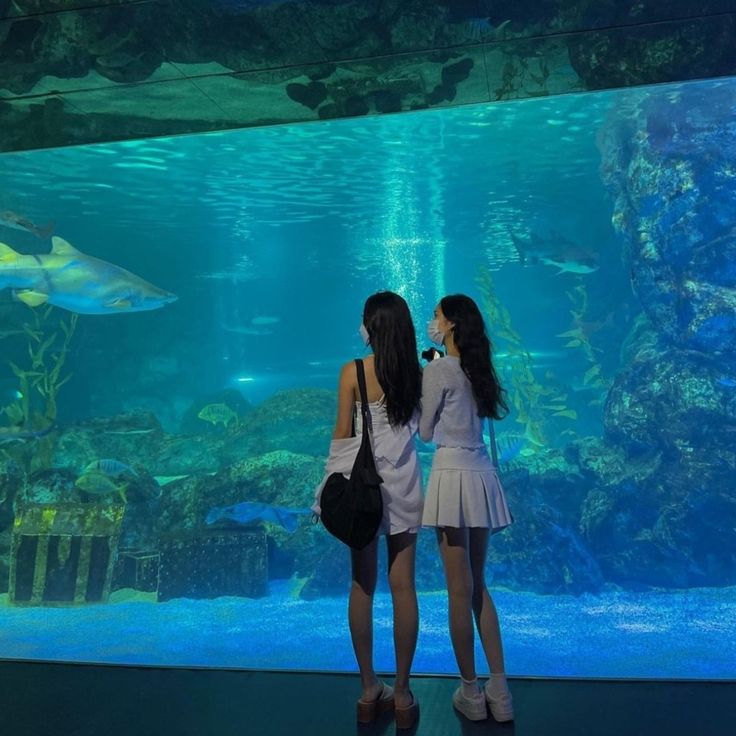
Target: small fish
<point>18,222</point>
<point>482,28</point>
<point>250,331</point>
<point>111,467</point>
<point>217,414</point>
<point>9,395</point>
<point>99,484</point>
<point>265,320</point>
<point>164,480</point>
<point>250,512</point>
<point>235,276</point>
<point>727,382</point>
<point>509,447</point>
<point>18,434</point>
<point>129,431</point>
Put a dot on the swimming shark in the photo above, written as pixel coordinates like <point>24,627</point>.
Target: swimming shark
<point>567,256</point>
<point>18,222</point>
<point>18,434</point>
<point>69,279</point>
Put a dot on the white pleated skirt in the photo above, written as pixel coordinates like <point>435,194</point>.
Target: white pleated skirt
<point>464,491</point>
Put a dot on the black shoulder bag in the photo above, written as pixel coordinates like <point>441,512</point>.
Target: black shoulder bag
<point>352,508</point>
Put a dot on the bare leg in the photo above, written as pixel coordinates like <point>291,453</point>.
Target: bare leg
<point>360,616</point>
<point>484,609</point>
<point>454,550</point>
<point>401,555</point>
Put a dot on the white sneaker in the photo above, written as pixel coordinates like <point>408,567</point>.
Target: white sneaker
<point>502,706</point>
<point>474,709</point>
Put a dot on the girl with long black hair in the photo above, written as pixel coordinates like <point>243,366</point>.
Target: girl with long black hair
<point>393,382</point>
<point>465,501</point>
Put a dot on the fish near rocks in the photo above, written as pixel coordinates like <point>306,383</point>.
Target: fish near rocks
<point>100,484</point>
<point>111,467</point>
<point>218,414</point>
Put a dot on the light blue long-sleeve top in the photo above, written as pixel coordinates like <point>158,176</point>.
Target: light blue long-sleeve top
<point>449,412</point>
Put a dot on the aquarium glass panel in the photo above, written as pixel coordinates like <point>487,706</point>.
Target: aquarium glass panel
<point>174,315</point>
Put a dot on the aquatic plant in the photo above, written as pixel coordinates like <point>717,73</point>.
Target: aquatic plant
<point>579,338</point>
<point>531,401</point>
<point>39,384</point>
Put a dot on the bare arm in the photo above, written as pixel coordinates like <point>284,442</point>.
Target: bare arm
<point>345,402</point>
<point>432,396</point>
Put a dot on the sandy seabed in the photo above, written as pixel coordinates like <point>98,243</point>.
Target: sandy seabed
<point>669,634</point>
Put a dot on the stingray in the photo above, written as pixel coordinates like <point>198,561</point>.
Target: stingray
<point>251,512</point>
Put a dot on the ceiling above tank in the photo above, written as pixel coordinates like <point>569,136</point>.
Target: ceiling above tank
<point>80,71</point>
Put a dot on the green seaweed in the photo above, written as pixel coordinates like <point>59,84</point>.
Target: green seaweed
<point>533,404</point>
<point>39,384</point>
<point>579,338</point>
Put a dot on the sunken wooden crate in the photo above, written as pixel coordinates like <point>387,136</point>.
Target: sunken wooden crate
<point>63,554</point>
<point>137,569</point>
<point>213,563</point>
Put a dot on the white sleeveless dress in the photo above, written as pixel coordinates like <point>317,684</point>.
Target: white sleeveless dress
<point>397,463</point>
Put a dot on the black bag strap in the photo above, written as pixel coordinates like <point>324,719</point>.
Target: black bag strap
<point>364,409</point>
<point>364,460</point>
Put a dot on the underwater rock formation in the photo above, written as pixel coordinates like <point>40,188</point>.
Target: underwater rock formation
<point>542,550</point>
<point>280,478</point>
<point>669,162</point>
<point>660,518</point>
<point>666,399</point>
<point>297,420</point>
<point>133,438</point>
<point>190,454</point>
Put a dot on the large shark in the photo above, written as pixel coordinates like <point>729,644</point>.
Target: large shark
<point>72,280</point>
<point>567,256</point>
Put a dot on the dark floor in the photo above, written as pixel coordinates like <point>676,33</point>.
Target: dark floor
<point>41,699</point>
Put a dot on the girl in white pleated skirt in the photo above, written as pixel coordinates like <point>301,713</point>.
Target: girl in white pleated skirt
<point>465,501</point>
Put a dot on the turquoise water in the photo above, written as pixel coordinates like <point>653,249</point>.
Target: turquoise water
<point>608,307</point>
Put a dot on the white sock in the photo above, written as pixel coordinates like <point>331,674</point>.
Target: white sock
<point>470,687</point>
<point>497,684</point>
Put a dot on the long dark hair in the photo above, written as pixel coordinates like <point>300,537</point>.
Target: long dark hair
<point>388,321</point>
<point>474,347</point>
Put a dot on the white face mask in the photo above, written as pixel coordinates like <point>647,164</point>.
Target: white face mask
<point>364,336</point>
<point>435,334</point>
